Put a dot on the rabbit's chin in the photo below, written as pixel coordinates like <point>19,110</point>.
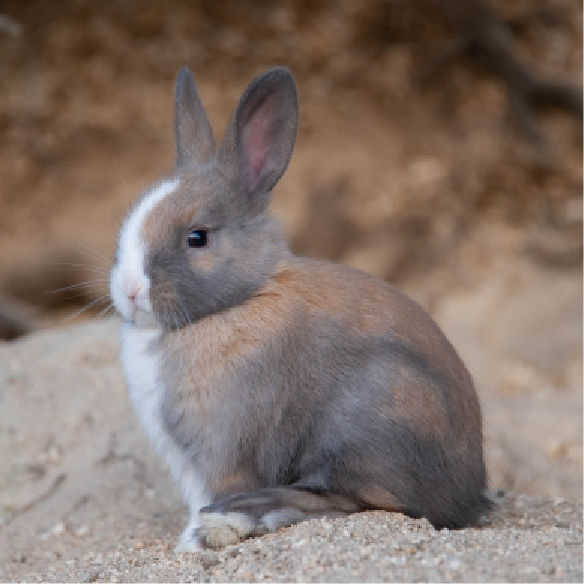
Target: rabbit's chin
<point>145,320</point>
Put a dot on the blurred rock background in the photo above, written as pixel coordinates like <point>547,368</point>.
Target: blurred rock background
<point>440,148</point>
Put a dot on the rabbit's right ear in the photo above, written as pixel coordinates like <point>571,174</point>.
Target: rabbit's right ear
<point>259,139</point>
<point>194,138</point>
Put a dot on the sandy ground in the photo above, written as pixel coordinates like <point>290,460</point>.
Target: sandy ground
<point>83,497</point>
<point>430,188</point>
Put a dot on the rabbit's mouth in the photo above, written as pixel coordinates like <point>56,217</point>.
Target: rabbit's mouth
<point>130,295</point>
<point>138,315</point>
<point>143,319</point>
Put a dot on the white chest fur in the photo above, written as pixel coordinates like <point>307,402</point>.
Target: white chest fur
<point>140,362</point>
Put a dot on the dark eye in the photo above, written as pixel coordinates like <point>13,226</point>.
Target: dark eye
<point>197,238</point>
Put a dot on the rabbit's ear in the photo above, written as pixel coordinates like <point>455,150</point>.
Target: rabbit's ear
<point>194,138</point>
<point>260,137</point>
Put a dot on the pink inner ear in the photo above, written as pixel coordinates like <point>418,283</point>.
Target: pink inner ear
<point>255,166</point>
<point>256,144</point>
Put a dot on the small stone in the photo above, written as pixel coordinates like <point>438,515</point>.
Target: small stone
<point>54,454</point>
<point>557,450</point>
<point>82,530</point>
<point>208,559</point>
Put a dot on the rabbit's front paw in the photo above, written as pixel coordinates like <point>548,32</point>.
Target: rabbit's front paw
<point>220,529</point>
<point>189,539</point>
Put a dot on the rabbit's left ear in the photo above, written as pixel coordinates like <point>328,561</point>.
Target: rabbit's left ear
<point>194,138</point>
<point>260,137</point>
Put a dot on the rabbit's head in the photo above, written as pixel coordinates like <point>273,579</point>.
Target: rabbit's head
<point>200,240</point>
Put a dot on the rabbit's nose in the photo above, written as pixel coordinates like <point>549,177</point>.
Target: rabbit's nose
<point>131,287</point>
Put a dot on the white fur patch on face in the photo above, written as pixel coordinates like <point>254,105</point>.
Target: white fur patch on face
<point>129,284</point>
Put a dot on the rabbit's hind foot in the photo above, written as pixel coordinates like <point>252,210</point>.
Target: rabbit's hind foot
<point>237,517</point>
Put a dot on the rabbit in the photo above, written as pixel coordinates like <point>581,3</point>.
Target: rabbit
<point>279,388</point>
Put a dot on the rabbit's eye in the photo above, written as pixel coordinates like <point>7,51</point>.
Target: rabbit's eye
<point>197,238</point>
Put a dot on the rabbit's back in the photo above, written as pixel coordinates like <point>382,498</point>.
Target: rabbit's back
<point>399,409</point>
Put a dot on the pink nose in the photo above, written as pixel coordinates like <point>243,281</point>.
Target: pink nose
<point>131,289</point>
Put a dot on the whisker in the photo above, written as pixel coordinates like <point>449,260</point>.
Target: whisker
<point>175,318</point>
<point>87,307</point>
<point>185,311</point>
<point>168,313</point>
<point>179,312</point>
<point>73,296</point>
<point>190,320</point>
<point>93,253</point>
<point>120,176</point>
<point>180,352</point>
<point>96,282</point>
<point>77,266</point>
<point>103,312</point>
